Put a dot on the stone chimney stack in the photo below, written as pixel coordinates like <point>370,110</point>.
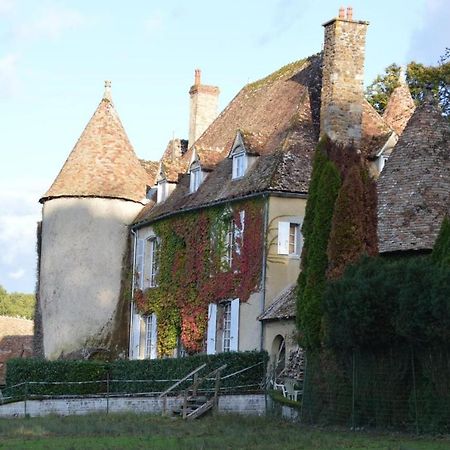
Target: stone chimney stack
<point>204,105</point>
<point>342,78</point>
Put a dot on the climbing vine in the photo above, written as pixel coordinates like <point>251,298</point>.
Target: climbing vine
<point>197,266</point>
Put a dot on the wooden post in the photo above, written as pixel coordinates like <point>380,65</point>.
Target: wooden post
<point>185,404</point>
<point>195,385</point>
<point>107,392</point>
<point>216,390</point>
<point>164,408</point>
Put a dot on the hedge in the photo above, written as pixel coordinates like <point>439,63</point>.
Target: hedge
<point>149,371</point>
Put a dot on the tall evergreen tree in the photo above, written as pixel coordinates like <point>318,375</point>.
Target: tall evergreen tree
<point>324,187</point>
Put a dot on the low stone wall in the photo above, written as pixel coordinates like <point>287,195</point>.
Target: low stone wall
<point>240,404</point>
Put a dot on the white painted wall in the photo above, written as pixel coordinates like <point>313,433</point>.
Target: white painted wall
<point>83,244</point>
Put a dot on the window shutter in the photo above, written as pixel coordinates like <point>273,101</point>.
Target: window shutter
<point>300,237</point>
<point>234,332</point>
<point>239,233</point>
<point>283,238</point>
<point>211,333</point>
<point>140,263</point>
<point>154,337</point>
<point>135,335</point>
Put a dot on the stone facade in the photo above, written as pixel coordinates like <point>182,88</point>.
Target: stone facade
<point>342,79</point>
<point>204,105</point>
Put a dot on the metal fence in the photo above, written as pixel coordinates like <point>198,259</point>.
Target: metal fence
<point>403,388</point>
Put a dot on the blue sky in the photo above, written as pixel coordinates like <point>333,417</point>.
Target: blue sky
<point>55,56</point>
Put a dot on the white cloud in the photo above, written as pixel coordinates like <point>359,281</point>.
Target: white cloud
<point>9,80</point>
<point>17,275</point>
<point>51,23</point>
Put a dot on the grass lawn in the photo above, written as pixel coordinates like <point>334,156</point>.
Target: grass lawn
<point>129,431</point>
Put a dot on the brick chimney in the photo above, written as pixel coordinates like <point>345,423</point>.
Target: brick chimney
<point>204,104</point>
<point>342,77</point>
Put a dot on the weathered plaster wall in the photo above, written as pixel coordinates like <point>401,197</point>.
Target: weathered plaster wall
<point>84,241</point>
<point>284,328</point>
<point>282,270</point>
<point>249,327</point>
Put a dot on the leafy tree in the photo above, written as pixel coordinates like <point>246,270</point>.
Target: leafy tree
<point>420,79</point>
<point>16,304</point>
<point>380,90</point>
<point>324,188</point>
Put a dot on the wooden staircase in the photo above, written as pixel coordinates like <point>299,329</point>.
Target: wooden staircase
<point>194,404</point>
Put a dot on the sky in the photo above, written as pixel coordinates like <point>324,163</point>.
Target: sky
<point>55,56</point>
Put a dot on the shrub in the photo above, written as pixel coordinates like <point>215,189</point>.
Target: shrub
<point>150,371</point>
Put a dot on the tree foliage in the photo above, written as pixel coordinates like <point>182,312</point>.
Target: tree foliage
<point>16,304</point>
<point>324,189</point>
<point>420,79</point>
<point>441,250</point>
<point>380,302</point>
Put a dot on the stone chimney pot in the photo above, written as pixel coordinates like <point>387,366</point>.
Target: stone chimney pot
<point>107,93</point>
<point>198,74</point>
<point>349,13</point>
<point>341,13</point>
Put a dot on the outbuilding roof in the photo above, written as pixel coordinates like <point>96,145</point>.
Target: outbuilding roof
<point>414,187</point>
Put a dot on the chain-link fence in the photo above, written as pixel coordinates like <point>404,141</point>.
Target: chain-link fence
<point>403,388</point>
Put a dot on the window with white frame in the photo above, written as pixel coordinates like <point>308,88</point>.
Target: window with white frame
<point>239,165</point>
<point>151,254</point>
<point>226,329</point>
<point>148,336</point>
<point>195,178</point>
<point>289,237</point>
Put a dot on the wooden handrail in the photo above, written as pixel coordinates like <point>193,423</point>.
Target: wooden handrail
<point>171,388</point>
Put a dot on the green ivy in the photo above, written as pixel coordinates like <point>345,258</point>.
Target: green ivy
<point>193,271</point>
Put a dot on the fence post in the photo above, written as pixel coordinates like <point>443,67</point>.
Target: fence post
<point>107,392</point>
<point>353,389</point>
<point>413,368</point>
<point>305,359</point>
<point>25,400</point>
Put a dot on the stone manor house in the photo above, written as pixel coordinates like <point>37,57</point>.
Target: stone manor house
<point>108,218</point>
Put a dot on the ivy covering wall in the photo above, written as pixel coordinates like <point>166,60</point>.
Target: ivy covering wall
<point>195,269</point>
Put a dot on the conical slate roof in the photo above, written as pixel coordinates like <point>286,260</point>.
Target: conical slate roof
<point>400,108</point>
<point>102,163</point>
<point>414,187</point>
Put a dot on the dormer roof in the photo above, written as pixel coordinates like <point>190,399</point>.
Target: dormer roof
<point>414,187</point>
<point>102,163</point>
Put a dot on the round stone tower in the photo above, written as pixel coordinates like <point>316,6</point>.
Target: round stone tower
<point>84,241</point>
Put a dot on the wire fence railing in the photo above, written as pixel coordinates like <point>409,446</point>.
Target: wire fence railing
<point>402,388</point>
<point>110,387</point>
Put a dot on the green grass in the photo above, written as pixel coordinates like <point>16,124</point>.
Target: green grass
<point>129,431</point>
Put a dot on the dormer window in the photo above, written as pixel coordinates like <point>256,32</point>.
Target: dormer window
<point>196,177</point>
<point>239,164</point>
<point>242,156</point>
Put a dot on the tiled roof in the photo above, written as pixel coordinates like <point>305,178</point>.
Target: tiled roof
<point>102,163</point>
<point>279,120</point>
<point>151,168</point>
<point>283,306</point>
<point>399,109</point>
<point>173,161</point>
<point>16,340</point>
<point>414,187</point>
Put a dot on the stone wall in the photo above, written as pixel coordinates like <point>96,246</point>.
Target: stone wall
<point>342,78</point>
<point>253,404</point>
